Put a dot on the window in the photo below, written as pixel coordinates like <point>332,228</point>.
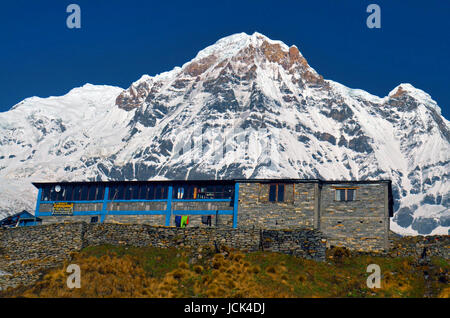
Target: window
<point>76,193</point>
<point>116,192</point>
<point>128,192</point>
<point>273,192</point>
<point>131,192</point>
<point>218,192</point>
<point>68,193</point>
<point>143,189</point>
<point>151,192</point>
<point>53,194</point>
<point>84,192</point>
<point>200,191</point>
<point>94,219</point>
<point>276,193</point>
<point>160,192</point>
<point>228,191</point>
<point>46,193</point>
<point>100,192</point>
<point>345,194</point>
<point>281,192</point>
<point>92,192</point>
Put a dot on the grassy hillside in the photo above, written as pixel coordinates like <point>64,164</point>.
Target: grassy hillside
<point>111,271</point>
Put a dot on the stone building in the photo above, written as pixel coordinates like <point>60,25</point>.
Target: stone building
<point>354,214</point>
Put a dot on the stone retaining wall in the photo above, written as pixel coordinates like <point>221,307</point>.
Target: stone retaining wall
<point>26,251</point>
<point>420,246</point>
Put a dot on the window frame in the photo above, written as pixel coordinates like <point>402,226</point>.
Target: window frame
<point>345,189</point>
<point>277,192</point>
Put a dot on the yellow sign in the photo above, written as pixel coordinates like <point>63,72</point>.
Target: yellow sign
<point>62,208</point>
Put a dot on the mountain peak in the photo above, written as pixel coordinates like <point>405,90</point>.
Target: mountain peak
<point>407,89</point>
<point>228,46</point>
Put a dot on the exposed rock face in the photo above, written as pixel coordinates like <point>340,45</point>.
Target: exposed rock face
<point>272,114</point>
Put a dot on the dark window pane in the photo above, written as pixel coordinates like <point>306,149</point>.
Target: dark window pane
<point>112,190</point>
<point>350,194</point>
<point>272,192</point>
<point>94,219</point>
<point>46,193</point>
<point>281,192</point>
<point>158,193</point>
<point>53,194</point>
<point>340,193</point>
<point>62,194</point>
<point>84,193</point>
<point>76,193</point>
<point>68,193</point>
<point>151,193</point>
<point>127,192</point>
<point>92,192</point>
<point>142,192</point>
<point>228,192</point>
<point>135,192</point>
<point>209,192</point>
<point>100,192</point>
<point>120,192</point>
<point>188,192</point>
<point>219,192</point>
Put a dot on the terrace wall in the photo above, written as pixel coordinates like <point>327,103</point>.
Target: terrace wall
<point>25,251</point>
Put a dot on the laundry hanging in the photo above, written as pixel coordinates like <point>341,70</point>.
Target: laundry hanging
<point>184,220</point>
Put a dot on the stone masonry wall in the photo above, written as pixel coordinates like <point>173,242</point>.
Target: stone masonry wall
<point>419,246</point>
<point>256,211</point>
<point>26,251</point>
<point>361,224</point>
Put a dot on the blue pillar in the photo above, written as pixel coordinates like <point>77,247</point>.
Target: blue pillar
<point>105,205</point>
<point>236,204</point>
<point>38,203</point>
<point>169,206</point>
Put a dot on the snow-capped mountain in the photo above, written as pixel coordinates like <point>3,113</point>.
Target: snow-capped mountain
<point>246,106</point>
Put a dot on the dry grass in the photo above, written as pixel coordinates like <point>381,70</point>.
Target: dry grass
<point>108,271</point>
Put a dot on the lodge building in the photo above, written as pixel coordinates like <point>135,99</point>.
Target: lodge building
<point>350,213</point>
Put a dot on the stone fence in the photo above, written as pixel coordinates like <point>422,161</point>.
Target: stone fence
<point>25,251</point>
<point>419,246</point>
<point>57,240</point>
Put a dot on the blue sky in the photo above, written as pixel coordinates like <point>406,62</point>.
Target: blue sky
<point>121,40</point>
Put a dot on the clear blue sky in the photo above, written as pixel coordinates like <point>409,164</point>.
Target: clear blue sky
<point>121,40</point>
